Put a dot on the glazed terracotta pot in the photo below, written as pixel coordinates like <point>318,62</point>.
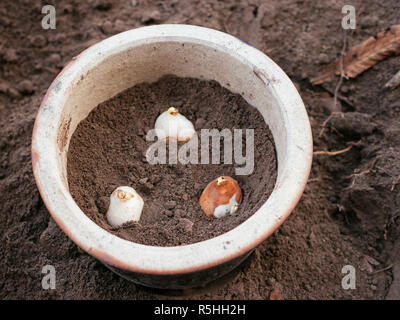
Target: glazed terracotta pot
<point>144,55</point>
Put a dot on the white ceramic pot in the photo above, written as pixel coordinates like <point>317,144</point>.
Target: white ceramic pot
<point>144,55</point>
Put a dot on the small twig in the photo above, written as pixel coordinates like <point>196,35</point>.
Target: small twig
<point>355,175</point>
<point>339,84</point>
<point>395,183</point>
<point>333,153</point>
<point>359,174</point>
<point>384,269</point>
<point>327,120</point>
<point>340,97</point>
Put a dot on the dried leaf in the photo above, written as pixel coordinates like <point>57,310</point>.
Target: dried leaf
<point>363,56</point>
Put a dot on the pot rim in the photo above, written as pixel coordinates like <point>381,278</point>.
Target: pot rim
<point>194,257</point>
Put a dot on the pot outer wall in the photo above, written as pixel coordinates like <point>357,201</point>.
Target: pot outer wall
<point>180,281</point>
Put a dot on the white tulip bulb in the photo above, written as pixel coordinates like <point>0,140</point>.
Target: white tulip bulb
<point>173,125</point>
<point>126,205</point>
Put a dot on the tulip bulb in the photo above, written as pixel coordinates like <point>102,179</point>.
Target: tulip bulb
<point>126,205</point>
<point>222,196</point>
<point>173,125</point>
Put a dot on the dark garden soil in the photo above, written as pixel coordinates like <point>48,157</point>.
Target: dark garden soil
<point>108,148</point>
<point>349,213</point>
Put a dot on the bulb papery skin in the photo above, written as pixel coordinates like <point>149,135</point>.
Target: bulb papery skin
<point>175,126</point>
<point>223,209</point>
<point>126,205</point>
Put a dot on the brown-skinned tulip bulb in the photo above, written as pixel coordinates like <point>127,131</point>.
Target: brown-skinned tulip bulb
<point>221,196</point>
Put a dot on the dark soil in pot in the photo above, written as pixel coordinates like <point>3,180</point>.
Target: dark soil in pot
<point>108,150</point>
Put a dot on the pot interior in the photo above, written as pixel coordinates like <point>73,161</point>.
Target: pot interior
<point>149,60</point>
